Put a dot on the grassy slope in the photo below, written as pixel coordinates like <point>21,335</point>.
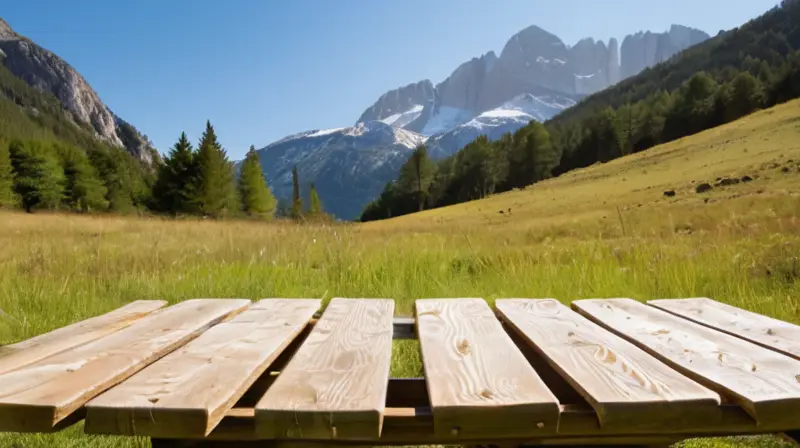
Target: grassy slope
<point>603,231</point>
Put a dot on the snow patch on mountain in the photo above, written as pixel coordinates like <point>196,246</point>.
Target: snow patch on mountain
<point>404,118</point>
<point>445,119</point>
<point>323,132</point>
<point>509,117</point>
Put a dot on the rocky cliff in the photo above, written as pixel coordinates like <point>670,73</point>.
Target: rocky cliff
<point>47,72</point>
<point>646,49</point>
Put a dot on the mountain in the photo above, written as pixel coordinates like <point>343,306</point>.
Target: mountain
<point>533,62</point>
<point>47,72</point>
<point>349,166</point>
<point>536,77</point>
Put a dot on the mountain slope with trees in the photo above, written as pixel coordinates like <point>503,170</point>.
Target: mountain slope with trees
<point>715,82</point>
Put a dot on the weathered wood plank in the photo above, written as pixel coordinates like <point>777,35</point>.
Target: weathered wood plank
<point>625,385</point>
<point>186,393</point>
<point>36,397</point>
<point>765,383</point>
<point>479,383</point>
<point>31,350</point>
<point>335,385</point>
<point>771,333</point>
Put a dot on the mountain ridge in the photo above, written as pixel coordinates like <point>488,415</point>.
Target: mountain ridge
<point>536,61</point>
<point>47,72</point>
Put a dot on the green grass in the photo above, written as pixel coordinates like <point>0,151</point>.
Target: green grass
<point>605,231</point>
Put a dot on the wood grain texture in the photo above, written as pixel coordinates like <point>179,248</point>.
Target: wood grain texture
<point>31,350</point>
<point>774,334</point>
<point>479,383</point>
<point>335,385</point>
<point>36,397</point>
<point>625,385</point>
<point>186,393</point>
<point>765,383</point>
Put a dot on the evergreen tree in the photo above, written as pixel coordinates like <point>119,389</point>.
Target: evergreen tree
<point>315,204</point>
<point>174,191</point>
<point>83,189</point>
<point>257,199</point>
<point>297,201</point>
<point>216,192</point>
<point>532,158</point>
<point>7,198</point>
<point>39,179</point>
<point>416,175</point>
<point>746,95</point>
<point>127,182</point>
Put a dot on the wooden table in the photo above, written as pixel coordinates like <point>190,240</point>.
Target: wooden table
<point>210,372</point>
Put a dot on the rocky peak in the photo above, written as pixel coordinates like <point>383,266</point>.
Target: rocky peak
<point>6,32</point>
<point>646,49</point>
<point>47,72</point>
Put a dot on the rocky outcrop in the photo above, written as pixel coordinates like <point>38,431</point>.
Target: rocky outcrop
<point>399,100</point>
<point>646,49</point>
<point>47,72</point>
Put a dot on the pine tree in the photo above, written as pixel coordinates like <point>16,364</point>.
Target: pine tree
<point>39,179</point>
<point>83,189</point>
<point>216,192</point>
<point>416,175</point>
<point>127,182</point>
<point>174,191</point>
<point>297,201</point>
<point>257,199</point>
<point>315,204</point>
<point>7,198</point>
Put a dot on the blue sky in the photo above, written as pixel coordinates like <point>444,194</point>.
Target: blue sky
<point>264,69</point>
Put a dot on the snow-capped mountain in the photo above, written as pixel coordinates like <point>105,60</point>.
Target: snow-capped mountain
<point>509,117</point>
<point>535,77</point>
<point>349,166</point>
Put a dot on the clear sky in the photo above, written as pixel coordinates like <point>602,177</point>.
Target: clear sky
<point>264,69</point>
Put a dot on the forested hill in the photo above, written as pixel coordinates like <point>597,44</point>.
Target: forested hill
<point>61,162</point>
<point>754,66</point>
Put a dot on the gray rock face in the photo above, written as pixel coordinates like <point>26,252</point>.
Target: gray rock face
<point>47,72</point>
<point>399,100</point>
<point>643,50</point>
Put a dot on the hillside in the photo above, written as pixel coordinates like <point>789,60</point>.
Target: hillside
<point>48,73</point>
<point>764,146</point>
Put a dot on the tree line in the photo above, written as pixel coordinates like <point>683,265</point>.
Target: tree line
<point>737,73</point>
<point>52,175</point>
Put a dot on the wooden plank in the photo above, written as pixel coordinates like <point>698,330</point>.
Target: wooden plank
<point>36,397</point>
<point>765,383</point>
<point>186,393</point>
<point>31,350</point>
<point>335,385</point>
<point>625,385</point>
<point>479,383</point>
<point>774,334</point>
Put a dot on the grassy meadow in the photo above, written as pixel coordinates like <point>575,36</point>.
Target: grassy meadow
<point>604,231</point>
